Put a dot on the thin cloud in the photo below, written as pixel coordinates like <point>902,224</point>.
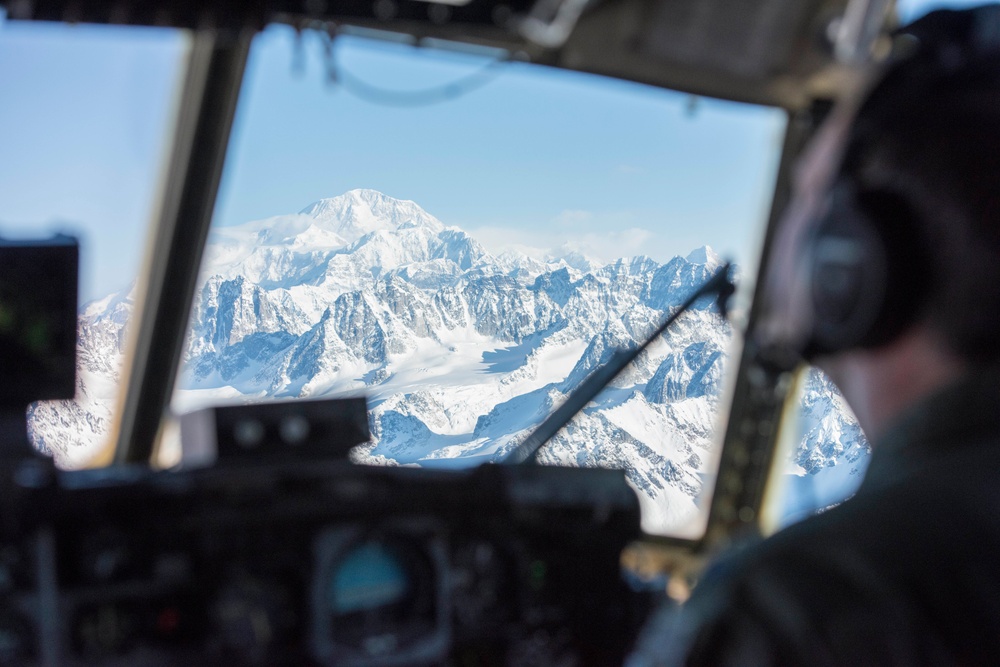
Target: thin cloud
<point>603,246</point>
<point>573,218</point>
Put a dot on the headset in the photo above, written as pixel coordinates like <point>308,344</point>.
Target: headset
<point>868,269</point>
<point>869,262</point>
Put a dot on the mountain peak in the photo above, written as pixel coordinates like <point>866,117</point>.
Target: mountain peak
<point>572,257</point>
<point>362,196</point>
<point>362,211</point>
<point>703,255</point>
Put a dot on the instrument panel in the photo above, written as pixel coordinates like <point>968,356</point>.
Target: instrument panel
<point>316,563</point>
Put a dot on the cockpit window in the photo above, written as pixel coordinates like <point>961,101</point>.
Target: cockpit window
<point>463,238</point>
<point>825,456</point>
<point>86,113</point>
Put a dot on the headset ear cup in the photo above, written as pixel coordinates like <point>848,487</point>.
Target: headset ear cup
<point>869,272</point>
<point>848,275</point>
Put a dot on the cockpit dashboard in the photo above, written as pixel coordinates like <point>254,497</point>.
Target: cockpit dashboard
<point>317,563</point>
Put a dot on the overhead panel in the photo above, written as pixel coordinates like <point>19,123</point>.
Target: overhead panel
<point>755,39</point>
<point>777,52</point>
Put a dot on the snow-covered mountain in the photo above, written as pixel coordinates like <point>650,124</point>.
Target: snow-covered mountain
<point>460,351</point>
<point>72,431</point>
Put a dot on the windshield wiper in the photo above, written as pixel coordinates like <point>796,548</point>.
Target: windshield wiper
<point>526,453</point>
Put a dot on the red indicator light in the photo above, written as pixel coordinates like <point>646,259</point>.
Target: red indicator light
<point>168,621</point>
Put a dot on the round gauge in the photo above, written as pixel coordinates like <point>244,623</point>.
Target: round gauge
<point>370,576</point>
<point>106,555</point>
<point>252,617</point>
<point>481,595</point>
<point>380,596</point>
<point>105,630</point>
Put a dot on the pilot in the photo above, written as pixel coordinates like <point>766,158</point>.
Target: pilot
<point>886,275</point>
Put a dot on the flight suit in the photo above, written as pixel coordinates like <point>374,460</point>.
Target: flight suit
<point>907,572</point>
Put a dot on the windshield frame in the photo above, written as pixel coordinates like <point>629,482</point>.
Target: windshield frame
<point>208,98</point>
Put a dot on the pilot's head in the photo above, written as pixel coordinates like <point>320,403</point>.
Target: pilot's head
<point>895,220</point>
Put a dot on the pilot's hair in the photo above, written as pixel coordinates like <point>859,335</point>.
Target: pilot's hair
<point>929,133</point>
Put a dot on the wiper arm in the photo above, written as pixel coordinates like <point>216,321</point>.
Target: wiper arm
<point>526,453</point>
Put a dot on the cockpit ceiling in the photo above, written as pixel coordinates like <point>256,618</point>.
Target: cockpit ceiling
<point>777,52</point>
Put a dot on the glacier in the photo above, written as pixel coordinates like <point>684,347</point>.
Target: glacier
<point>460,351</point>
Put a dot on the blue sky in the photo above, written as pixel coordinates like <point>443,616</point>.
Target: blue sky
<point>537,155</point>
<point>909,10</point>
<point>84,115</point>
<point>535,158</point>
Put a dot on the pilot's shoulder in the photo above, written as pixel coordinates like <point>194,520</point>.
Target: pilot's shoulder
<point>871,581</point>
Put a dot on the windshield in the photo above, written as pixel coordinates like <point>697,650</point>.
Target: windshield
<point>824,453</point>
<point>464,254</point>
<point>86,114</point>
